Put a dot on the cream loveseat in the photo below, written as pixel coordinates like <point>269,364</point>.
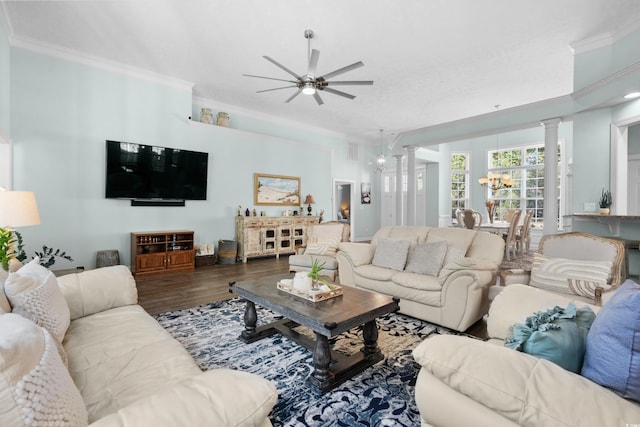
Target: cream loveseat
<point>124,369</point>
<point>440,275</point>
<point>465,381</point>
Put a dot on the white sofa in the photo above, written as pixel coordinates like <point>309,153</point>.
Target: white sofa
<point>455,295</point>
<point>465,381</point>
<point>127,369</point>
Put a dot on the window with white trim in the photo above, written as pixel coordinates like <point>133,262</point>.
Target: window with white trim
<point>525,165</point>
<point>459,183</point>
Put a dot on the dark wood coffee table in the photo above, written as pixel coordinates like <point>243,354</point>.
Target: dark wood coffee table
<point>326,318</point>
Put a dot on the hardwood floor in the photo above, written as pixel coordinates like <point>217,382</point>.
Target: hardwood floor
<point>158,294</point>
<point>168,292</point>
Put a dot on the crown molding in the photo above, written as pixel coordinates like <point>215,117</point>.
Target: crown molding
<point>606,81</point>
<point>98,62</point>
<point>605,39</point>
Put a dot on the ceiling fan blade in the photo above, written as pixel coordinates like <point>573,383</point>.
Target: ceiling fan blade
<point>313,62</point>
<point>316,96</point>
<point>350,82</point>
<point>337,92</point>
<point>293,96</point>
<point>269,78</point>
<point>343,70</point>
<point>277,88</point>
<point>277,64</point>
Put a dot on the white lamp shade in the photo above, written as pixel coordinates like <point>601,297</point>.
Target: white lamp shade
<point>18,208</point>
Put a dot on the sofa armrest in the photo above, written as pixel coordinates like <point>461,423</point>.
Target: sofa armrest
<point>357,253</point>
<point>524,389</point>
<point>517,302</point>
<point>484,269</point>
<point>220,397</point>
<point>93,291</point>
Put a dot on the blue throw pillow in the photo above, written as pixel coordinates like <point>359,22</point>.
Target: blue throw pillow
<point>558,335</point>
<point>612,358</point>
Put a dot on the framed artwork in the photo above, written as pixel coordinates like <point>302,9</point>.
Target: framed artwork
<point>365,193</point>
<point>276,190</point>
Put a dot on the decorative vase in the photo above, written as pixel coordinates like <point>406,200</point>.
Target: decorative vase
<point>206,115</point>
<point>302,282</point>
<point>605,211</point>
<point>222,119</point>
<point>491,208</point>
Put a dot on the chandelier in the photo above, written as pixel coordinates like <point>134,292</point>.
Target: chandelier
<point>497,181</point>
<point>380,160</point>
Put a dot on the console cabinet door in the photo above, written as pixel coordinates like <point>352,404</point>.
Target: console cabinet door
<point>179,259</point>
<point>150,262</point>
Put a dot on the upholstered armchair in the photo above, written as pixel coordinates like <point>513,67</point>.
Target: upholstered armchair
<point>576,264</point>
<point>321,244</point>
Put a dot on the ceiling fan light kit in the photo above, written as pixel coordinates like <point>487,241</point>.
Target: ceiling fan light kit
<point>309,84</point>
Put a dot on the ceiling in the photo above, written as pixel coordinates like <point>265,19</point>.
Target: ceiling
<point>432,61</point>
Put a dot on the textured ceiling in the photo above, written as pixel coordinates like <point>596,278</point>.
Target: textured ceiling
<point>432,61</point>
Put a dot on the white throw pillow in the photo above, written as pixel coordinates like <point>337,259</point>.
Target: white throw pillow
<point>33,289</point>
<point>569,276</point>
<point>5,307</point>
<point>391,254</point>
<point>35,387</point>
<point>326,247</point>
<point>427,258</point>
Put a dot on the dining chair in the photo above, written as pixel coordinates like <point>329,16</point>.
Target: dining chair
<point>471,219</point>
<point>508,214</point>
<point>511,244</point>
<point>523,237</point>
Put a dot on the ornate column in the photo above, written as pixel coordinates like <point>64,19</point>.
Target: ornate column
<point>399,203</point>
<point>550,222</point>
<point>411,184</point>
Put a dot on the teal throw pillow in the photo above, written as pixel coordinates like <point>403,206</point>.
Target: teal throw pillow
<point>612,358</point>
<point>558,335</point>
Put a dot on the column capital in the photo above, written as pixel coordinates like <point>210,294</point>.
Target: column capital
<point>398,156</point>
<point>410,148</point>
<point>551,122</point>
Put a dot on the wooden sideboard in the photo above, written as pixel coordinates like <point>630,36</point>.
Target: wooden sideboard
<point>260,236</point>
<point>160,252</point>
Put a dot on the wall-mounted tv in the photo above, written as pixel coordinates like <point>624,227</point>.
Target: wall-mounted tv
<point>137,171</point>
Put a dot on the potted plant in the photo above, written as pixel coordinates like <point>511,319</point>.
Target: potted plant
<point>605,202</point>
<point>316,268</point>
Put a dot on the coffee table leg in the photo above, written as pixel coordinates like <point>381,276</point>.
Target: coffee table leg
<point>370,335</point>
<point>321,359</point>
<point>250,320</point>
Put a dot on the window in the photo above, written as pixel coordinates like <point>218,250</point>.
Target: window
<point>525,165</point>
<point>459,181</point>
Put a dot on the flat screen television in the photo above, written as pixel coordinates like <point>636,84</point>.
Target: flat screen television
<point>137,171</point>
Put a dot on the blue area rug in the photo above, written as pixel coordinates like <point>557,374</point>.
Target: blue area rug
<point>382,395</point>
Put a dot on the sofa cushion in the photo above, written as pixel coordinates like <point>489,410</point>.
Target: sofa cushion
<point>452,254</point>
<point>558,335</point>
<point>415,235</point>
<point>417,281</point>
<point>220,397</point>
<point>122,355</point>
<point>529,391</point>
<point>612,357</point>
<point>33,290</point>
<point>35,386</point>
<point>305,261</point>
<point>325,232</point>
<point>459,238</point>
<point>322,247</point>
<point>373,272</point>
<point>391,253</point>
<point>427,258</point>
<point>556,275</point>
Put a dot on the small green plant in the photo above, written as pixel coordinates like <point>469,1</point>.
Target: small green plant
<point>605,199</point>
<point>316,268</point>
<point>6,239</point>
<point>47,255</point>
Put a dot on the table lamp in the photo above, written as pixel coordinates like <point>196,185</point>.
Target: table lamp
<point>309,201</point>
<point>17,209</point>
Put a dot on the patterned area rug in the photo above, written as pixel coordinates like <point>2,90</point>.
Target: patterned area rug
<point>382,395</point>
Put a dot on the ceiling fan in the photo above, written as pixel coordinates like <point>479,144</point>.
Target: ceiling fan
<point>308,83</point>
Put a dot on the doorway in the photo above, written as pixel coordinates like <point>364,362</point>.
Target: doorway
<point>343,202</point>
